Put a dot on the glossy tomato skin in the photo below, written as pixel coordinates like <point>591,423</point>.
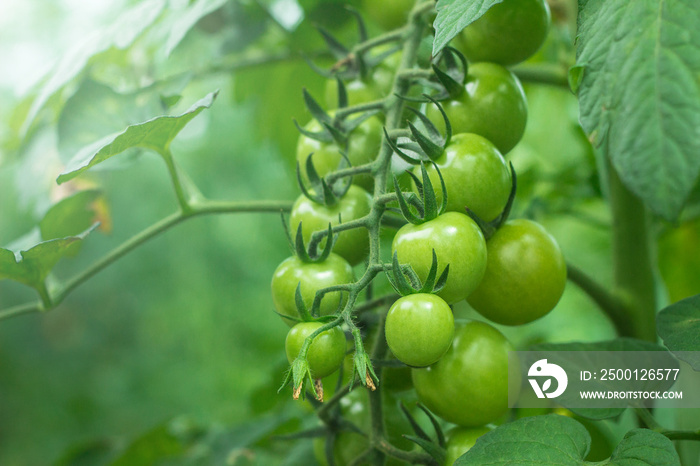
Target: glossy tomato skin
<point>353,245</point>
<point>475,175</point>
<point>363,147</point>
<point>419,329</point>
<point>493,105</point>
<point>525,274</point>
<point>457,241</point>
<point>468,386</point>
<point>312,276</point>
<point>326,352</point>
<point>508,33</point>
<point>460,440</point>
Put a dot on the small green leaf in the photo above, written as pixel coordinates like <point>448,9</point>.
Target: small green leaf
<point>455,15</point>
<point>644,447</point>
<point>640,94</point>
<point>537,440</point>
<point>156,134</point>
<point>31,266</point>
<point>679,328</point>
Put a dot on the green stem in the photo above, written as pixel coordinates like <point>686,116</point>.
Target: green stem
<point>682,434</point>
<point>199,208</point>
<point>182,197</point>
<point>632,260</point>
<point>552,74</point>
<point>611,304</point>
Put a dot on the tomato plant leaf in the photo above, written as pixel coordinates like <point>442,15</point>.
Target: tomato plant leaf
<point>679,328</point>
<point>121,34</point>
<point>644,447</point>
<point>637,69</point>
<point>455,15</point>
<point>554,439</point>
<point>156,134</point>
<point>31,265</point>
<point>550,439</point>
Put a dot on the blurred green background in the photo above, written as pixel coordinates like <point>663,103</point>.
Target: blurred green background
<point>178,339</point>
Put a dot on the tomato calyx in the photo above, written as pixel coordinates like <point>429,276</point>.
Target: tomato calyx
<point>403,286</point>
<point>310,254</point>
<point>455,75</point>
<point>426,206</point>
<point>489,228</point>
<point>322,192</point>
<point>434,447</point>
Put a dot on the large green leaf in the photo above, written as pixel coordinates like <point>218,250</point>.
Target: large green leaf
<point>455,15</point>
<point>637,71</point>
<point>553,439</point>
<point>31,266</point>
<point>679,327</point>
<point>121,34</point>
<point>96,110</point>
<point>184,21</point>
<point>156,134</point>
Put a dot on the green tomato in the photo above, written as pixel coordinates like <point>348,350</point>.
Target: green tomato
<point>457,241</point>
<point>419,329</point>
<point>388,14</point>
<point>493,106</point>
<point>475,175</point>
<point>525,274</point>
<point>363,147</point>
<point>353,244</point>
<point>312,276</point>
<point>509,32</point>
<point>326,352</point>
<point>460,440</point>
<point>468,386</point>
<point>358,92</point>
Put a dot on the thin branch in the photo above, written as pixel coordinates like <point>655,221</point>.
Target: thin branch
<point>610,303</point>
<point>544,73</point>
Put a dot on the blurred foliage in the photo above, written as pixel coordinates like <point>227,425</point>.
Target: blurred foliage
<point>174,354</point>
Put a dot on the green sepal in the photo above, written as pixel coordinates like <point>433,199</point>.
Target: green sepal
<point>321,136</point>
<point>430,198</point>
<point>338,136</point>
<point>397,278</point>
<point>486,228</point>
<point>377,59</point>
<point>412,99</point>
<point>403,205</point>
<point>285,316</point>
<point>316,110</point>
<point>436,425</point>
<point>301,307</point>
<point>314,67</point>
<point>362,368</point>
<point>437,452</point>
<point>342,93</point>
<point>433,132</point>
<point>448,125</point>
<point>323,194</point>
<point>503,217</point>
<point>404,156</point>
<point>309,255</point>
<point>414,425</point>
<point>432,150</point>
<point>338,50</point>
<point>350,125</point>
<point>361,26</point>
<point>429,286</point>
<point>452,88</point>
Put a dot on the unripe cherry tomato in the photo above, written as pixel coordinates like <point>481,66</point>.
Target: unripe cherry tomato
<point>312,276</point>
<point>419,329</point>
<point>492,105</point>
<point>525,274</point>
<point>326,352</point>
<point>475,175</point>
<point>353,244</point>
<point>457,241</point>
<point>468,386</point>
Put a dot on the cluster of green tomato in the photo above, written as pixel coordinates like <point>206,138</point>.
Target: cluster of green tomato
<point>515,276</point>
